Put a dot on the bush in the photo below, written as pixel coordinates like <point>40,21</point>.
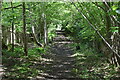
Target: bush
<point>17,53</point>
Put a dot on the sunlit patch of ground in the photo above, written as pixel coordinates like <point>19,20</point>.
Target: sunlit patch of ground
<point>94,66</point>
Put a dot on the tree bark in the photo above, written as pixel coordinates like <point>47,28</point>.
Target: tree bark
<point>108,21</point>
<point>0,35</point>
<point>24,30</point>
<point>1,69</point>
<point>12,28</point>
<point>35,38</point>
<point>45,30</point>
<point>119,34</point>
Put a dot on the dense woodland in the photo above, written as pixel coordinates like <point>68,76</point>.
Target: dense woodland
<point>29,30</point>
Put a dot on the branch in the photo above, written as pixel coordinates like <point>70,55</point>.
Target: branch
<point>96,30</point>
<point>33,31</point>
<point>106,4</point>
<point>91,14</point>
<point>99,6</point>
<point>113,17</point>
<point>12,7</point>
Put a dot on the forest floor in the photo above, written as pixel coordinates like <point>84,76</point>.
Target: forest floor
<point>59,63</point>
<point>62,62</point>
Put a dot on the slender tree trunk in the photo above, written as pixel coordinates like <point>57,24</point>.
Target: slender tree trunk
<point>12,28</point>
<point>45,30</point>
<point>119,34</point>
<point>1,73</point>
<point>35,38</point>
<point>39,26</point>
<point>119,45</point>
<point>94,27</point>
<point>0,35</point>
<point>108,26</point>
<point>24,30</point>
<point>115,36</point>
<point>108,21</point>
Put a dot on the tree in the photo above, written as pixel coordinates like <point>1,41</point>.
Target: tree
<point>12,27</point>
<point>113,49</point>
<point>0,35</point>
<point>45,29</point>
<point>24,30</point>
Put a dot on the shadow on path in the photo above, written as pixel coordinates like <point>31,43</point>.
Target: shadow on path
<point>59,63</point>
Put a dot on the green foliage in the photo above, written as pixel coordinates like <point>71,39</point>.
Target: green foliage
<point>21,66</point>
<point>60,15</point>
<point>51,36</point>
<point>114,29</point>
<point>93,65</point>
<point>114,7</point>
<point>17,53</point>
<point>51,32</point>
<point>36,52</point>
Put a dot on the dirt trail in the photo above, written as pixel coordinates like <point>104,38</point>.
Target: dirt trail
<point>60,63</point>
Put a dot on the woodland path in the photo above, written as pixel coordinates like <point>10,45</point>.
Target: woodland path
<point>60,62</point>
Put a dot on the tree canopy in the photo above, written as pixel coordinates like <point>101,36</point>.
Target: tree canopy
<point>37,25</point>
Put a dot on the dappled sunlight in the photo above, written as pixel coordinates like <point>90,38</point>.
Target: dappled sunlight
<point>45,59</point>
<point>94,67</point>
<point>61,62</point>
<point>60,41</point>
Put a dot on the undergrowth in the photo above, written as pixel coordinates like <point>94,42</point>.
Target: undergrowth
<point>20,67</point>
<point>94,66</point>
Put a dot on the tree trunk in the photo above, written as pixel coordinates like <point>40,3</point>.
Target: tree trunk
<point>108,23</point>
<point>35,38</point>
<point>119,35</point>
<point>12,28</point>
<point>1,70</point>
<point>39,36</point>
<point>24,30</point>
<point>115,36</point>
<point>0,32</point>
<point>45,30</point>
<point>94,27</point>
<point>115,45</point>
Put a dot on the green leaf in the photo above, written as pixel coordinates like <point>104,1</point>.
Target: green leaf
<point>114,7</point>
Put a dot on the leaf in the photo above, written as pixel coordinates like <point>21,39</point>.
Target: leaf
<point>114,27</point>
<point>114,7</point>
<point>114,30</point>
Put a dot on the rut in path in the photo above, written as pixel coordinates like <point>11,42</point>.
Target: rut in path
<point>60,62</point>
